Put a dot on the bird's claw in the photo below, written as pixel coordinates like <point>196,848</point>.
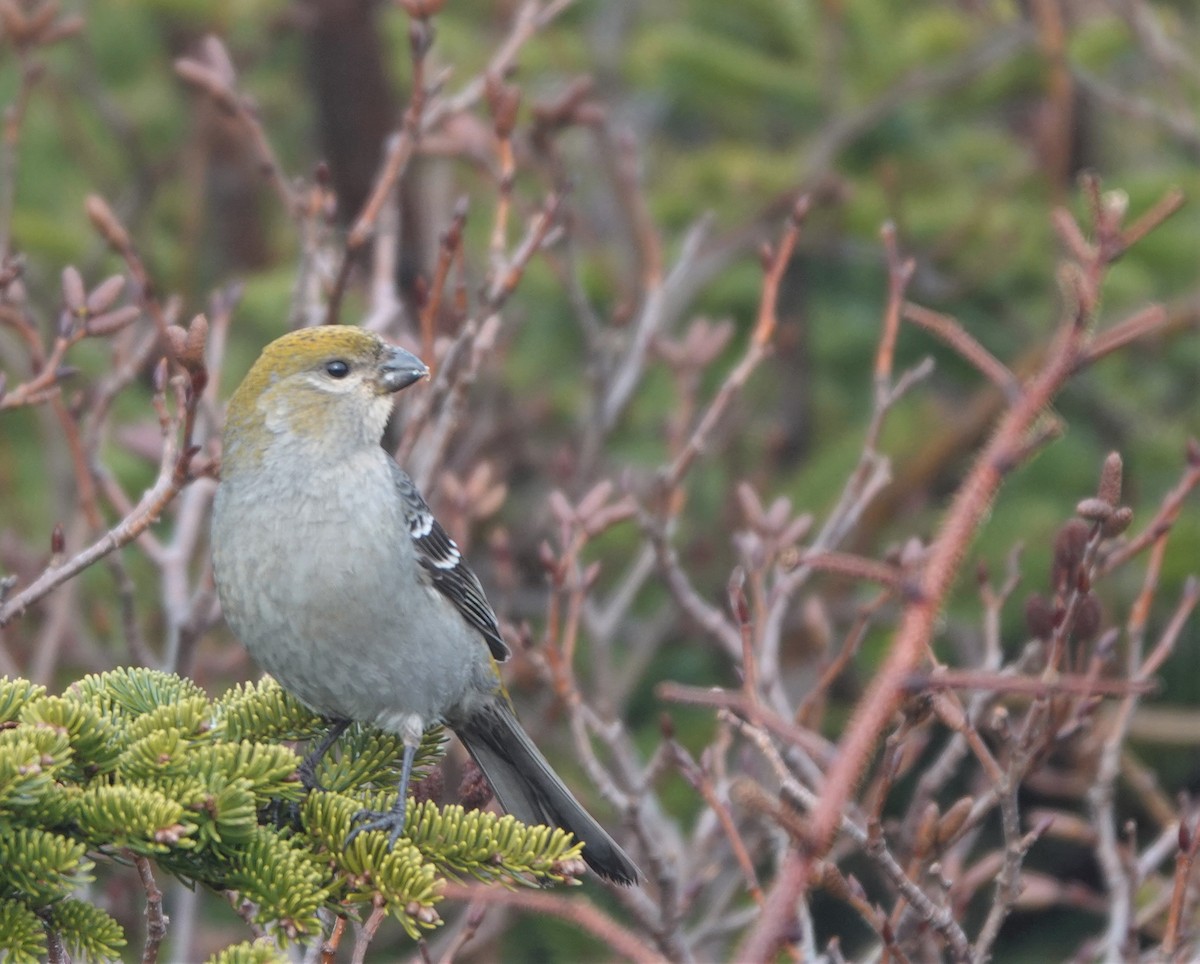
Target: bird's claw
<point>386,820</point>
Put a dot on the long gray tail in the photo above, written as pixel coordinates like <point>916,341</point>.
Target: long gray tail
<point>531,791</point>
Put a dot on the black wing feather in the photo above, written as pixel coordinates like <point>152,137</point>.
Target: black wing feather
<point>442,560</point>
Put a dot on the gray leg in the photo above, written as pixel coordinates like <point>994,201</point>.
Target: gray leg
<point>308,769</point>
<point>391,820</point>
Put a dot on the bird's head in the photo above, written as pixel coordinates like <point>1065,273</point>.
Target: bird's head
<point>329,389</point>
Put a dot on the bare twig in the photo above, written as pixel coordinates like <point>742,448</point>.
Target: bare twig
<point>329,946</point>
<point>776,262</point>
<point>156,920</point>
<point>212,74</point>
<point>954,335</point>
<point>401,147</point>
<point>365,933</point>
<point>1185,858</point>
<point>577,911</point>
<point>174,474</point>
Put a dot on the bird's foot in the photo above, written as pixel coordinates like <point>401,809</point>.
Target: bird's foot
<point>390,821</point>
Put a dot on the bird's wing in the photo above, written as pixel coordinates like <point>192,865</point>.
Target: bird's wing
<point>442,560</point>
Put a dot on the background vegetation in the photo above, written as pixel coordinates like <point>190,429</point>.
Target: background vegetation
<point>682,423</point>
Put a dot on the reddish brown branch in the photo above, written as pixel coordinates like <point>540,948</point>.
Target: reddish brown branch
<point>174,474</point>
<point>953,334</point>
<point>702,784</point>
<point>366,934</point>
<point>1143,323</point>
<point>941,567</point>
<point>578,911</point>
<point>900,272</point>
<point>812,743</point>
<point>1185,859</point>
<point>776,262</point>
<point>156,921</point>
<point>401,147</point>
<point>1163,519</point>
<point>1027,685</point>
<point>857,567</point>
<point>506,281</point>
<point>1162,209</point>
<point>329,946</point>
<point>779,912</point>
<point>448,249</point>
<point>106,222</point>
<point>213,76</point>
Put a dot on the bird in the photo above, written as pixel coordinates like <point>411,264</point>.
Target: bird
<point>333,572</point>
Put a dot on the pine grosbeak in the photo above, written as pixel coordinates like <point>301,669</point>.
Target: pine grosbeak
<point>339,581</point>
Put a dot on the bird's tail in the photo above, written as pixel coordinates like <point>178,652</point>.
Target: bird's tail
<point>531,791</point>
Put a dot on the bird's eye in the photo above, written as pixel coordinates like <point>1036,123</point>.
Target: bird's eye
<point>337,368</point>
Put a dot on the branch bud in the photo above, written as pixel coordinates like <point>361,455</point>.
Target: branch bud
<point>503,101</point>
<point>106,222</point>
<point>926,836</point>
<point>1088,616</point>
<point>1118,522</point>
<point>74,293</point>
<point>105,293</point>
<point>1094,510</point>
<point>953,821</point>
<point>1110,480</point>
<point>1069,546</point>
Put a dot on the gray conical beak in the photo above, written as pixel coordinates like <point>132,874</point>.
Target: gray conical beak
<point>399,369</point>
